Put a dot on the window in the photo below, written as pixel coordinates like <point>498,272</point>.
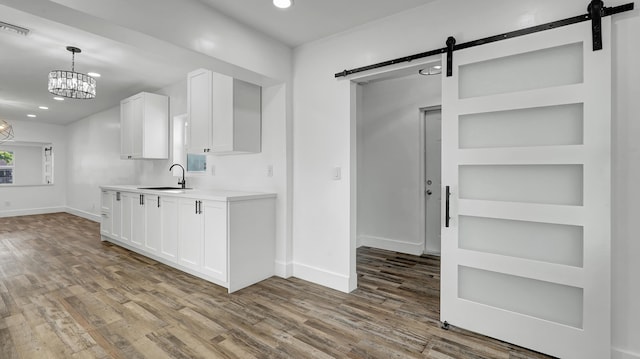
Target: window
<point>7,161</point>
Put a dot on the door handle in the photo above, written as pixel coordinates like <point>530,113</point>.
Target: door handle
<point>158,201</point>
<point>446,206</point>
<point>429,193</point>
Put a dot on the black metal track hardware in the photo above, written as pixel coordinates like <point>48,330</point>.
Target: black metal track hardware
<point>596,10</point>
<point>447,218</point>
<point>451,42</point>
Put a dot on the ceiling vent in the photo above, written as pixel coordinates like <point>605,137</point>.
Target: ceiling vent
<point>14,28</point>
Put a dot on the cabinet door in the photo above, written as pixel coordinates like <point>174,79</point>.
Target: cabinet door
<point>126,128</point>
<point>138,226</point>
<point>215,239</point>
<point>154,224</point>
<point>106,222</point>
<point>169,219</point>
<point>222,113</point>
<point>199,111</point>
<point>129,200</point>
<point>116,215</point>
<point>190,234</point>
<point>137,123</point>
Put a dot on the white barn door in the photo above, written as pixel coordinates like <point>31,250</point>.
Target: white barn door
<point>526,155</point>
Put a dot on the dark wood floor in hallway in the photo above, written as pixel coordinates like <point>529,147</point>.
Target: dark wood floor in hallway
<point>65,294</point>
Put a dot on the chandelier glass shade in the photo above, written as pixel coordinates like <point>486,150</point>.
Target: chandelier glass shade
<point>72,84</point>
<point>6,131</point>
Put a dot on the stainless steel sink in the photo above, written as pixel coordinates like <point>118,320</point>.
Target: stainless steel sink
<point>163,188</point>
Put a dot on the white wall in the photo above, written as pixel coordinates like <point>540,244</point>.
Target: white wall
<point>390,191</point>
<point>23,200</point>
<point>93,159</point>
<point>322,125</point>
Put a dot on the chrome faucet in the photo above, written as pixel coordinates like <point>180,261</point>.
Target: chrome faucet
<point>183,183</point>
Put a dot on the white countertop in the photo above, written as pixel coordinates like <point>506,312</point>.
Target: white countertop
<point>213,195</point>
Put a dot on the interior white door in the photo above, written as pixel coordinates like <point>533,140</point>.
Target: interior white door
<point>526,154</point>
<point>433,194</point>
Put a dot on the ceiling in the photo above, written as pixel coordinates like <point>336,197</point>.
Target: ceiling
<point>309,20</point>
<point>26,60</point>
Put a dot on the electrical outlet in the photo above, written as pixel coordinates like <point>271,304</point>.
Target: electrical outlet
<point>269,170</point>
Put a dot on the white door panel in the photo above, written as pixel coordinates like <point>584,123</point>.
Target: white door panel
<point>526,153</point>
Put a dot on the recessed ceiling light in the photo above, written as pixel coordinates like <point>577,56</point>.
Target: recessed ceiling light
<point>57,98</point>
<point>433,70</point>
<point>31,115</point>
<point>93,74</point>
<point>283,4</point>
<point>43,107</point>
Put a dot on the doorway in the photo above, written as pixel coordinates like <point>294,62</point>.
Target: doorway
<point>391,183</point>
<point>432,125</point>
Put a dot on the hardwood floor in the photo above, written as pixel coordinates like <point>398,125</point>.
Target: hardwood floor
<point>65,294</point>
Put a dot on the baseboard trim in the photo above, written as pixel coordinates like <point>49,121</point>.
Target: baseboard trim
<point>623,354</point>
<point>284,269</point>
<point>323,277</point>
<point>31,211</point>
<point>391,244</point>
<point>83,214</point>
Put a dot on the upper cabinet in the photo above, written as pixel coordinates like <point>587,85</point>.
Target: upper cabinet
<point>224,114</point>
<point>144,127</point>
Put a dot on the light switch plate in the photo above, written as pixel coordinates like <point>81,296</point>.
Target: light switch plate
<point>337,173</point>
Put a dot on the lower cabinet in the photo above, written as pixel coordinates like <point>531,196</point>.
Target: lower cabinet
<point>214,250</point>
<point>138,221</point>
<point>230,243</point>
<point>203,237</point>
<point>128,200</point>
<point>169,224</point>
<point>111,205</point>
<point>106,213</point>
<point>153,218</point>
<point>190,231</point>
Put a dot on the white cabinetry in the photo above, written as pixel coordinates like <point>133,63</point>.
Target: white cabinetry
<point>169,236</point>
<point>228,241</point>
<point>106,213</point>
<point>190,230</point>
<point>203,237</point>
<point>224,114</point>
<point>144,126</point>
<point>214,251</point>
<point>111,214</point>
<point>153,220</point>
<point>128,201</point>
<point>138,221</point>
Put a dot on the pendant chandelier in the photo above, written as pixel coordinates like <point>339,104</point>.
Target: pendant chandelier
<point>72,84</point>
<point>6,131</point>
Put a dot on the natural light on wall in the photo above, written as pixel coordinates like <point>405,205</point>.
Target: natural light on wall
<point>283,4</point>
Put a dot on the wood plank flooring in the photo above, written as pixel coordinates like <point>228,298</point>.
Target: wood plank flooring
<point>65,294</point>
